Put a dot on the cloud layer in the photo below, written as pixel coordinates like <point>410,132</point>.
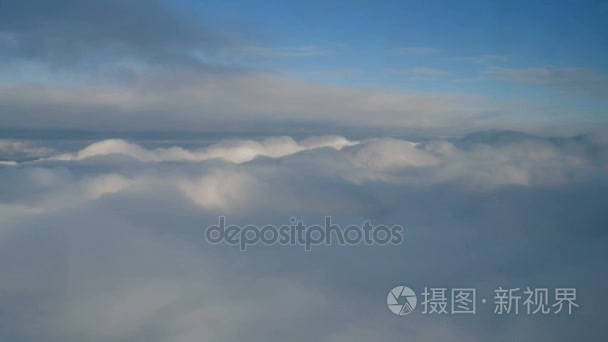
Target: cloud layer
<point>110,245</point>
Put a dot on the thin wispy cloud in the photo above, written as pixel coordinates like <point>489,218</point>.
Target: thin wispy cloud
<point>247,97</point>
<point>575,80</point>
<point>483,59</point>
<point>331,73</point>
<point>292,51</point>
<point>418,73</point>
<point>417,51</point>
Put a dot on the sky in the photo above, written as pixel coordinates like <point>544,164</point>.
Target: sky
<point>128,128</point>
<point>438,67</point>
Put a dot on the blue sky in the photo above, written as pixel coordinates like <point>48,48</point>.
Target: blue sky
<point>510,63</point>
<point>436,46</point>
<point>366,35</point>
<point>430,45</point>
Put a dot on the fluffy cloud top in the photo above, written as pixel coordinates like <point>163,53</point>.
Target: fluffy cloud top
<point>236,151</point>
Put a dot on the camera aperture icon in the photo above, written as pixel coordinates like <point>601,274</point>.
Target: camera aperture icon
<point>401,300</point>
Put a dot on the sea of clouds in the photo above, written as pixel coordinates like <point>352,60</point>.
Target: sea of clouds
<point>104,240</point>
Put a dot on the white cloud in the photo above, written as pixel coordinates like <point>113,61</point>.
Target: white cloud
<point>389,154</point>
<point>236,151</point>
<point>220,190</point>
<point>113,248</point>
<point>475,163</point>
<point>106,184</point>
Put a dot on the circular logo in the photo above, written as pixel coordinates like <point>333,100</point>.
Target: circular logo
<point>401,300</point>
